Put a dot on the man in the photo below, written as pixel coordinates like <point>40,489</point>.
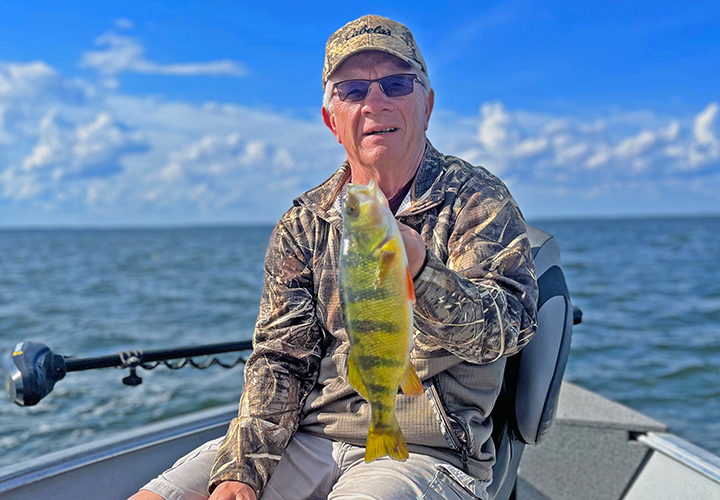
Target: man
<point>301,428</point>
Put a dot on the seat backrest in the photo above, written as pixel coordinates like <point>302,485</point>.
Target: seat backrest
<point>543,360</point>
<point>527,404</point>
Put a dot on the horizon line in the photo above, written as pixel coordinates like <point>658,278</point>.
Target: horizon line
<point>265,224</point>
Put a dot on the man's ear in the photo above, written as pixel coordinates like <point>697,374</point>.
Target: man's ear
<point>329,120</point>
<point>429,103</point>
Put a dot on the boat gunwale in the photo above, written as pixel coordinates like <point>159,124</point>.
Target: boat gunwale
<point>684,452</point>
<point>63,461</point>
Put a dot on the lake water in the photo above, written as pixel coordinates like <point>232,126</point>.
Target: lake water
<point>649,291</point>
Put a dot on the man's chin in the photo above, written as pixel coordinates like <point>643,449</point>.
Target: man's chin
<point>381,155</point>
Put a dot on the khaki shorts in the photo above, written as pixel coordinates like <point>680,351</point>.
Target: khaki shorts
<point>314,468</point>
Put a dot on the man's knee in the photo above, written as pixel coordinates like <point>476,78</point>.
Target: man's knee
<point>146,495</point>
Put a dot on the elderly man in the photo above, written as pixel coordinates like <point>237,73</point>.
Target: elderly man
<point>301,428</point>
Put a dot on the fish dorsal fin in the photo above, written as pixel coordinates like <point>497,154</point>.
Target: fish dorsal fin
<point>373,187</point>
<point>376,193</point>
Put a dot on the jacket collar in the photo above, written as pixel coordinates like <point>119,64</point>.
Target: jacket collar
<point>426,191</point>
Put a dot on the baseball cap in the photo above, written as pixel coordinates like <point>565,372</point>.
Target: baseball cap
<point>371,33</point>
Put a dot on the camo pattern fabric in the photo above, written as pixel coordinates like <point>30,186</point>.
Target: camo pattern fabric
<point>371,33</point>
<point>476,302</point>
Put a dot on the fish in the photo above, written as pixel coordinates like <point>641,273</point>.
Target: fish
<point>377,297</point>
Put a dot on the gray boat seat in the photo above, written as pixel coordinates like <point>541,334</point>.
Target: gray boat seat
<point>526,406</point>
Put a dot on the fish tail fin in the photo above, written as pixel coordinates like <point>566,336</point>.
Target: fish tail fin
<point>385,440</point>
<point>410,383</point>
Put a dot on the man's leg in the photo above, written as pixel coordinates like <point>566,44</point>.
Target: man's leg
<point>186,480</point>
<point>306,471</point>
<point>418,478</point>
<point>146,495</point>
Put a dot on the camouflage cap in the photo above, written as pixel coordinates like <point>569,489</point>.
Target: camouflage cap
<point>371,33</point>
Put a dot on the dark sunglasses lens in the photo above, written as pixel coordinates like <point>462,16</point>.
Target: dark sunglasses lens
<point>397,85</point>
<point>352,90</point>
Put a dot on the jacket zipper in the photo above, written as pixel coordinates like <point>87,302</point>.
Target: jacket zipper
<point>461,446</point>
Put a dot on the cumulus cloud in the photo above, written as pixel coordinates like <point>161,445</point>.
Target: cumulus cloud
<point>706,147</point>
<point>67,146</point>
<point>38,81</point>
<point>123,53</point>
<point>123,23</point>
<point>86,149</point>
<point>27,91</point>
<point>150,156</point>
<point>218,171</point>
<point>66,155</point>
<point>561,149</point>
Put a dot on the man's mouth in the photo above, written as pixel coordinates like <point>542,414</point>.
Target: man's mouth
<point>382,131</point>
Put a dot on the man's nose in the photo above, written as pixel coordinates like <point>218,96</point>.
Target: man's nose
<point>376,100</point>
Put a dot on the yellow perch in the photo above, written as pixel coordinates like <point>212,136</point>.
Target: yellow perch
<point>377,297</point>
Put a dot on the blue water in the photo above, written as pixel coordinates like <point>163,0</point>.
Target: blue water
<point>649,290</point>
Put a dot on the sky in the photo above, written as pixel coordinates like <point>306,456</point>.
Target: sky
<point>150,113</point>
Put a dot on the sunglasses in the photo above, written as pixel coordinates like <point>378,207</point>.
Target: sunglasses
<point>392,86</point>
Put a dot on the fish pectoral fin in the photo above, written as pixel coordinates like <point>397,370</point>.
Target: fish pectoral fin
<point>385,257</point>
<point>410,383</point>
<point>354,379</point>
<point>411,285</point>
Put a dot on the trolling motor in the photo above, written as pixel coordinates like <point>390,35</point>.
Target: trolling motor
<point>32,369</point>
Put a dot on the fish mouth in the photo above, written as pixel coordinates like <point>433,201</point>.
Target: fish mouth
<point>382,131</point>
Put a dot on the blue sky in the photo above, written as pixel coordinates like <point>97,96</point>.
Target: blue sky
<point>135,113</point>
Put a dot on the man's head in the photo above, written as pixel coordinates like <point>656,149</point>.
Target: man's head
<point>379,131</point>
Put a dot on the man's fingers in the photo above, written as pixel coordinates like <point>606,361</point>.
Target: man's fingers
<point>233,490</point>
<point>415,248</point>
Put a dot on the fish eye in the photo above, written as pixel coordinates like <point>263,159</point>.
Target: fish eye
<point>350,209</point>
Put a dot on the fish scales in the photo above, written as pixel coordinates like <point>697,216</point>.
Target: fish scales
<point>377,297</point>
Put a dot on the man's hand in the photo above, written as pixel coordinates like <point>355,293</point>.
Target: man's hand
<point>233,490</point>
<point>414,248</point>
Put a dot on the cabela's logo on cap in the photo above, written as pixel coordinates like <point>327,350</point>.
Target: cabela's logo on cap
<point>377,30</point>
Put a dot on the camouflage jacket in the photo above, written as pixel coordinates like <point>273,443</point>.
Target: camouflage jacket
<point>476,303</point>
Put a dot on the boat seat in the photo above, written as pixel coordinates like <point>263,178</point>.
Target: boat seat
<point>526,406</point>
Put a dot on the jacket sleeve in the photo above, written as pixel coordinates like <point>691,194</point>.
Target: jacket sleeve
<point>480,304</point>
<point>280,371</point>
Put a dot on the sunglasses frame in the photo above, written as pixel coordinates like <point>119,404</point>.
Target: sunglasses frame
<point>379,81</point>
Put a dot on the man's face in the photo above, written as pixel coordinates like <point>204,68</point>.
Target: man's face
<point>379,131</point>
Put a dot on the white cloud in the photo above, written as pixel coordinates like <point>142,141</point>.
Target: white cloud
<point>27,92</point>
<point>123,23</point>
<point>69,147</point>
<point>126,54</point>
<point>66,156</point>
<point>706,148</point>
<point>38,81</point>
<point>491,133</point>
<point>704,124</point>
<point>221,170</point>
<point>88,149</point>
<point>635,145</point>
<point>514,144</point>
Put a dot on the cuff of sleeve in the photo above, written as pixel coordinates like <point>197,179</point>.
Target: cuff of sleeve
<point>426,270</point>
<point>237,477</point>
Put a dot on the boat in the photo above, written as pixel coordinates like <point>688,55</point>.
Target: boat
<point>554,439</point>
<point>597,449</point>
